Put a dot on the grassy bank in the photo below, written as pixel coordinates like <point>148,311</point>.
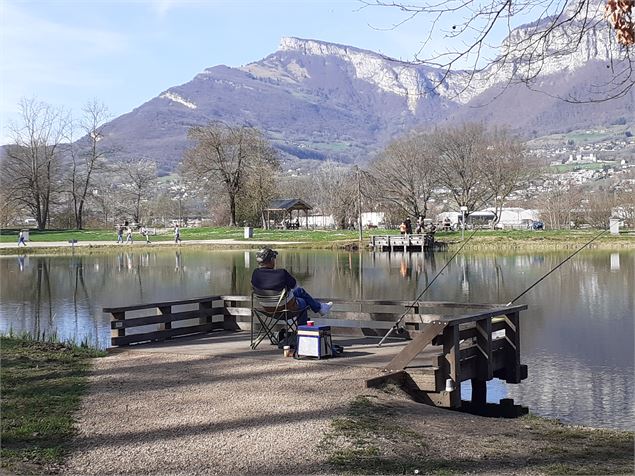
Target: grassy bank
<point>41,386</point>
<point>384,437</point>
<point>329,238</point>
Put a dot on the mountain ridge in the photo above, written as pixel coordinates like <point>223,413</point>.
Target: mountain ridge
<point>317,100</point>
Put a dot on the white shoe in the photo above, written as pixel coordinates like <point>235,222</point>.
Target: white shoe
<point>325,308</point>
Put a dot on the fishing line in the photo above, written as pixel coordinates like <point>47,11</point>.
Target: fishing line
<point>418,298</point>
<point>556,267</point>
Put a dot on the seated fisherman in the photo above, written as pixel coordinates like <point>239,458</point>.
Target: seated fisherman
<point>267,278</point>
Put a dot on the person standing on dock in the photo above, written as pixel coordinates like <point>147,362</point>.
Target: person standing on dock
<point>177,234</point>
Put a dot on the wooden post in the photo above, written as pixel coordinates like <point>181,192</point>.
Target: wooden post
<point>204,309</point>
<point>484,344</point>
<point>119,317</point>
<point>452,364</point>
<point>165,310</point>
<point>479,392</point>
<point>512,334</point>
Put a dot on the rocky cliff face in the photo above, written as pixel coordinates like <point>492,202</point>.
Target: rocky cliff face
<point>318,100</point>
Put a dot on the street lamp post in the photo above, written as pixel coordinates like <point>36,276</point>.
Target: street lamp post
<point>463,210</point>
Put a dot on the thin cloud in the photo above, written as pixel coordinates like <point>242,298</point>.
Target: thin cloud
<point>162,7</point>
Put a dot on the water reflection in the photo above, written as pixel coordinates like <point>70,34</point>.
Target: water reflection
<point>577,335</point>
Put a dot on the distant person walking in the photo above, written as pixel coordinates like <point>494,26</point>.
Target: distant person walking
<point>21,240</point>
<point>129,235</point>
<point>119,234</point>
<point>145,233</point>
<point>177,235</point>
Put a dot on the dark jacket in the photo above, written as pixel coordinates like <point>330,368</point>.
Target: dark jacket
<point>272,279</point>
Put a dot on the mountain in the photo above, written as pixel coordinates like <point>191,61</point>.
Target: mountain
<point>317,100</point>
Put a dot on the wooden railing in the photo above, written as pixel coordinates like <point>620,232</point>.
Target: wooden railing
<point>160,321</point>
<point>476,346</point>
<point>371,317</point>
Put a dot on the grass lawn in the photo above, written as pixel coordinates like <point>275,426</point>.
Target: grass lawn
<point>378,437</point>
<point>41,386</point>
<point>483,237</point>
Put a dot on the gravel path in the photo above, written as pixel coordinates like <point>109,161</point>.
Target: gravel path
<point>159,413</point>
<point>179,414</point>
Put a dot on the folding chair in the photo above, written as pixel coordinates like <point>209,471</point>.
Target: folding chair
<point>270,310</point>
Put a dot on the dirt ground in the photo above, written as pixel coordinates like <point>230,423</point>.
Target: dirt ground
<point>157,413</point>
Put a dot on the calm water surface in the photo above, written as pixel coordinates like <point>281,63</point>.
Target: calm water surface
<point>577,336</point>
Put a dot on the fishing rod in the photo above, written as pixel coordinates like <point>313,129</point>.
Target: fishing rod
<point>556,267</point>
<point>416,301</point>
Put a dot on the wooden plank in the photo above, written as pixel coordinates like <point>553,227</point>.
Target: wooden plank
<point>492,312</point>
<point>238,311</point>
<point>162,335</point>
<point>418,343</point>
<point>484,343</point>
<point>135,307</point>
<point>426,379</point>
<point>236,298</point>
<point>440,304</point>
<point>158,319</point>
<point>358,323</point>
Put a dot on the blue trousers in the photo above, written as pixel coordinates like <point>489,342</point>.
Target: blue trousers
<point>304,301</point>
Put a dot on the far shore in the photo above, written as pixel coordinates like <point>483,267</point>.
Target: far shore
<point>59,242</point>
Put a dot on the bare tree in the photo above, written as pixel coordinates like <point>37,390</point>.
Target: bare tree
<point>138,179</point>
<point>403,175</point>
<point>10,208</point>
<point>462,153</point>
<point>335,192</point>
<point>31,166</point>
<point>104,197</point>
<point>260,187</point>
<point>486,39</point>
<point>507,164</point>
<point>557,207</point>
<point>227,154</point>
<point>598,208</point>
<point>86,160</point>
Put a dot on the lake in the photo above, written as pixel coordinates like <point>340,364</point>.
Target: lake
<point>577,336</point>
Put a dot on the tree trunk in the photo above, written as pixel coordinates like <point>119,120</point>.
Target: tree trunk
<point>232,210</point>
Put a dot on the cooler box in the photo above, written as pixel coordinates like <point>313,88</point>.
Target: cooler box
<point>314,341</point>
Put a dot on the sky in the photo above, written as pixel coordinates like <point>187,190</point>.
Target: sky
<point>123,53</point>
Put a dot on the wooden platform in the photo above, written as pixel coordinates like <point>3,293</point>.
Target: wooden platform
<point>358,351</point>
<point>439,344</point>
<point>418,242</point>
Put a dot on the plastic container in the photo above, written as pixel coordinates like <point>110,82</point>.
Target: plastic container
<point>287,352</point>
